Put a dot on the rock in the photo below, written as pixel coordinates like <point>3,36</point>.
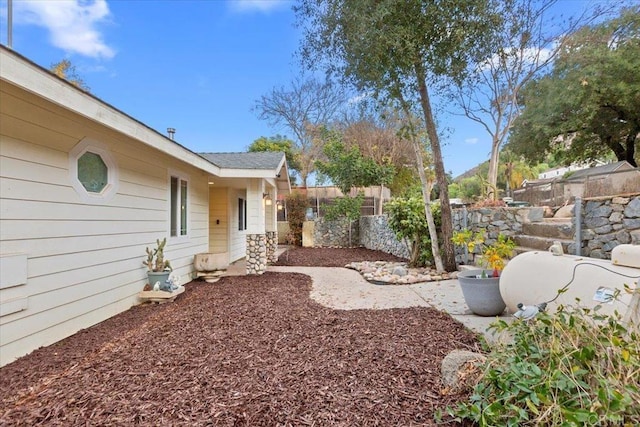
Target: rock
<point>399,271</point>
<point>616,217</point>
<point>600,211</point>
<point>604,229</point>
<point>564,212</point>
<point>460,370</point>
<point>620,200</point>
<point>631,224</point>
<point>633,208</point>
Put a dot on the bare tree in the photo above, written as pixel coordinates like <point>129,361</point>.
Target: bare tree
<point>378,136</point>
<point>302,107</point>
<point>529,41</point>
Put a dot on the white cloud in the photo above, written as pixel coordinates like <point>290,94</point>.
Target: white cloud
<point>526,57</point>
<point>71,23</point>
<point>471,140</point>
<point>257,5</point>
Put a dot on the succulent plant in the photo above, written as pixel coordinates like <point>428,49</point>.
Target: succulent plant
<point>155,257</point>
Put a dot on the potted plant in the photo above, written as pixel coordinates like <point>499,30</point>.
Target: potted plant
<point>159,268</point>
<point>481,287</point>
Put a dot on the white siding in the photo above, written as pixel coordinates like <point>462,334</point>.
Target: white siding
<point>84,261</point>
<point>219,220</point>
<point>255,206</point>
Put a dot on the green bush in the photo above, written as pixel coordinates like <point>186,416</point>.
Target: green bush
<point>572,368</point>
<point>408,222</point>
<point>341,207</point>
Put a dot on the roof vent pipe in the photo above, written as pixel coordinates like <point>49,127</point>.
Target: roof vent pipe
<point>171,132</point>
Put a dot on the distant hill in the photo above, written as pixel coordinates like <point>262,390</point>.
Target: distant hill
<point>470,173</point>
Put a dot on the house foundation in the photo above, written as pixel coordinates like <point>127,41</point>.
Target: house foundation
<point>256,253</point>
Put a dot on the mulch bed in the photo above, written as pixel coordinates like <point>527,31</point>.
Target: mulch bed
<point>331,257</point>
<point>245,351</point>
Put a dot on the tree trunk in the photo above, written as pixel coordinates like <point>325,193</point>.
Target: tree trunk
<point>492,177</point>
<point>441,176</point>
<point>426,196</point>
<point>426,191</point>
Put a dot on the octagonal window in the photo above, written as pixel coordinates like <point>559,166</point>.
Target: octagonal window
<point>93,173</point>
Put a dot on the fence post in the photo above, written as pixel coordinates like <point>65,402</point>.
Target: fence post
<point>464,227</point>
<point>577,209</point>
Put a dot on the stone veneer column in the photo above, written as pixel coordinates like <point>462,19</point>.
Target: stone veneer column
<point>256,253</point>
<point>272,246</point>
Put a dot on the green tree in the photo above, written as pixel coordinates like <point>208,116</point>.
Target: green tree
<point>590,103</point>
<point>376,130</point>
<point>66,70</point>
<point>348,168</point>
<point>407,220</point>
<point>513,171</point>
<point>528,40</point>
<point>282,144</point>
<point>396,50</point>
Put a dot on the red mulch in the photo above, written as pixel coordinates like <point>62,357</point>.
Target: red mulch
<point>331,257</point>
<point>245,351</point>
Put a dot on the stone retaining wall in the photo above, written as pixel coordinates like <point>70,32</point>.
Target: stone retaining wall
<point>608,222</point>
<point>495,221</point>
<point>375,234</point>
<point>336,233</point>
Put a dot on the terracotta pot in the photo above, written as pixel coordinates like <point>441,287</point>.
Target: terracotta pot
<point>482,295</point>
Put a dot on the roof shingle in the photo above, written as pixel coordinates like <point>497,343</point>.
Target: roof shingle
<point>247,160</point>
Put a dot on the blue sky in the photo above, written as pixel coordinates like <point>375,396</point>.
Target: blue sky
<point>197,66</point>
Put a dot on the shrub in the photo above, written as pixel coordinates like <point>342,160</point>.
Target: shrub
<point>344,207</point>
<point>408,222</point>
<point>297,204</point>
<point>574,367</point>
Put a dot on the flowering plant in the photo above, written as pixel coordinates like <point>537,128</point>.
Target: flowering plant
<point>494,255</point>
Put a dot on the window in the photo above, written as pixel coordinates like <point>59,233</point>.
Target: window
<point>93,172</point>
<point>179,203</point>
<point>242,214</point>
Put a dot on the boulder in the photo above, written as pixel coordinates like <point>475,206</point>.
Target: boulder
<point>460,370</point>
<point>564,212</point>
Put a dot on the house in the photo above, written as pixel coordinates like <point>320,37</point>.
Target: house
<point>559,172</point>
<point>612,178</point>
<point>85,188</point>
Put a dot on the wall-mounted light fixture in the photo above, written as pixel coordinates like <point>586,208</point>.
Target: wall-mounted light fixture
<point>267,198</point>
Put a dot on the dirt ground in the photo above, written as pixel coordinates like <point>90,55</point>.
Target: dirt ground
<point>331,257</point>
<point>245,351</point>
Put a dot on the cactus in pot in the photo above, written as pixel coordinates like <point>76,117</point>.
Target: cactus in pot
<point>159,268</point>
<point>155,261</point>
